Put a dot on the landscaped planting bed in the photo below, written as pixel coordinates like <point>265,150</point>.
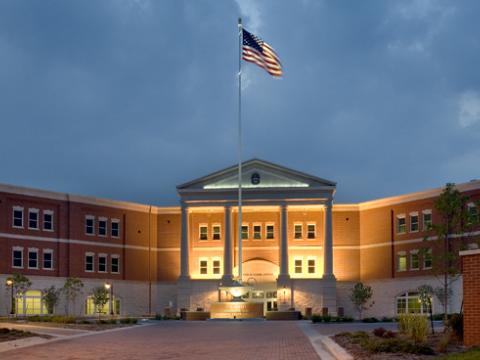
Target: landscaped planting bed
<point>71,322</point>
<point>12,334</point>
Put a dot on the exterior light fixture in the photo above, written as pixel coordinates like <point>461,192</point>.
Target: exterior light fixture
<point>9,283</point>
<point>109,286</point>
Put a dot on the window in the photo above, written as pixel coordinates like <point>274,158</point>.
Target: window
<point>92,309</point>
<point>270,232</point>
<point>18,217</point>
<point>414,222</point>
<point>47,259</point>
<point>17,257</point>
<point>216,266</point>
<point>311,231</point>
<point>102,263</point>
<point>216,232</point>
<point>472,213</point>
<point>401,224</point>
<point>409,303</point>
<point>203,267</point>
<point>203,232</point>
<point>298,231</point>
<point>31,303</point>
<point>33,258</point>
<point>401,261</point>
<point>102,227</point>
<point>311,266</point>
<point>245,232</point>
<point>115,264</point>
<point>89,225</point>
<point>33,219</point>
<point>257,232</point>
<point>414,260</point>
<point>115,228</point>
<point>427,259</point>
<point>89,262</point>
<point>48,220</point>
<point>298,266</point>
<point>427,219</point>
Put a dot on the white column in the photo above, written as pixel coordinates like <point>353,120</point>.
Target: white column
<point>284,274</point>
<point>227,247</point>
<point>184,246</point>
<point>328,242</point>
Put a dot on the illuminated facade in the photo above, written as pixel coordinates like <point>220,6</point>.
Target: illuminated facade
<point>300,250</point>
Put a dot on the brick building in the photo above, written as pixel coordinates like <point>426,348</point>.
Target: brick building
<point>300,249</point>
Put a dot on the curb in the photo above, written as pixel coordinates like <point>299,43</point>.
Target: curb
<point>339,352</point>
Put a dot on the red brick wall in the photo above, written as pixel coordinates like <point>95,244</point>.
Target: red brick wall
<point>471,297</point>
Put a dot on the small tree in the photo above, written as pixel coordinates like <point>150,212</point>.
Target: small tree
<point>70,290</point>
<point>360,296</point>
<point>425,293</point>
<point>50,297</point>
<point>20,284</point>
<point>100,298</point>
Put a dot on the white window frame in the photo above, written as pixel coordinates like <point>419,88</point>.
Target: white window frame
<point>90,217</point>
<point>47,251</point>
<point>410,216</point>
<point>200,226</point>
<point>92,254</point>
<point>105,220</point>
<point>115,221</point>
<point>114,256</point>
<point>402,254</point>
<point>37,212</point>
<point>253,231</point>
<point>430,252</point>
<point>33,251</point>
<point>426,212</point>
<point>200,266</point>
<point>295,259</point>
<point>17,248</point>
<point>18,208</point>
<point>397,224</point>
<point>219,232</point>
<point>266,231</point>
<point>314,258</point>
<point>301,231</point>
<point>103,256</point>
<point>248,231</point>
<point>217,258</point>
<point>471,206</point>
<point>314,231</point>
<point>48,212</point>
<point>414,253</point>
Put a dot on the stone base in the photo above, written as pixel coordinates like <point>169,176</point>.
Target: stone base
<point>283,315</point>
<point>197,315</point>
<point>236,310</point>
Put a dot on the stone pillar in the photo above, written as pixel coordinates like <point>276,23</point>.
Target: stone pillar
<point>227,248</point>
<point>284,273</point>
<point>184,246</point>
<point>328,243</point>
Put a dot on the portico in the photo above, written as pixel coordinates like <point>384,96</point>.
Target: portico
<point>287,221</point>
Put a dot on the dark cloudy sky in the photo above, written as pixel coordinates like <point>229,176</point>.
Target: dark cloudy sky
<point>126,99</point>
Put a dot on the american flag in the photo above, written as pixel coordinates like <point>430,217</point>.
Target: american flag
<point>256,51</point>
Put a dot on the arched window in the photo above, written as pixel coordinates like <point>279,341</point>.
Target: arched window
<point>409,303</point>
<point>30,303</point>
<point>90,308</point>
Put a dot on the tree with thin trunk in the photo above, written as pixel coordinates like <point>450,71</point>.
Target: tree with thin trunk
<point>425,293</point>
<point>360,297</point>
<point>20,284</point>
<point>71,290</point>
<point>50,297</point>
<point>452,223</point>
<point>100,298</point>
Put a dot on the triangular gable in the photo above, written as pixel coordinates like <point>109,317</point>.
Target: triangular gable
<point>257,173</point>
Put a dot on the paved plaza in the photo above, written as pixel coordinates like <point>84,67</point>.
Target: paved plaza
<point>182,340</point>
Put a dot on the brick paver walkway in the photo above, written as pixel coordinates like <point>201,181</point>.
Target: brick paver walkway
<point>182,340</point>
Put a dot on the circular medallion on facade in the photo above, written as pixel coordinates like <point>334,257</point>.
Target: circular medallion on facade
<point>255,179</point>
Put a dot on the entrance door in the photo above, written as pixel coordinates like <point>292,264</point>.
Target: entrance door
<point>266,296</point>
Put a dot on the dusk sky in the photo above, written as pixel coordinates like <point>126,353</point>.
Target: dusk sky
<point>127,99</point>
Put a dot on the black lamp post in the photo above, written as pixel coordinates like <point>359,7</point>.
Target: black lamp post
<point>12,299</point>
<point>109,286</point>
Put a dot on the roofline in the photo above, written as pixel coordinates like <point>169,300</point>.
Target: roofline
<point>247,162</point>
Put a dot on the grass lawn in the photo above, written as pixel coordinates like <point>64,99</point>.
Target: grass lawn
<point>468,355</point>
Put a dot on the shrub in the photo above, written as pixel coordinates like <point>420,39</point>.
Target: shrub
<point>316,318</point>
<point>327,318</point>
<point>386,319</point>
<point>398,346</point>
<point>379,332</point>
<point>414,326</point>
<point>389,334</point>
<point>456,324</point>
<point>128,321</point>
<point>443,342</point>
<point>370,320</point>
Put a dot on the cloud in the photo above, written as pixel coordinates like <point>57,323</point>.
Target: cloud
<point>469,109</point>
<point>250,10</point>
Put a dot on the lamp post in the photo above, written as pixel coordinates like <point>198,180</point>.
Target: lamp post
<point>12,299</point>
<point>109,286</point>
<point>284,294</point>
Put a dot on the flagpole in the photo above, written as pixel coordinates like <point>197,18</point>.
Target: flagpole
<point>240,240</point>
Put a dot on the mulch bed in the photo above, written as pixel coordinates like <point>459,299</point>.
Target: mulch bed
<point>12,334</point>
<point>360,353</point>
